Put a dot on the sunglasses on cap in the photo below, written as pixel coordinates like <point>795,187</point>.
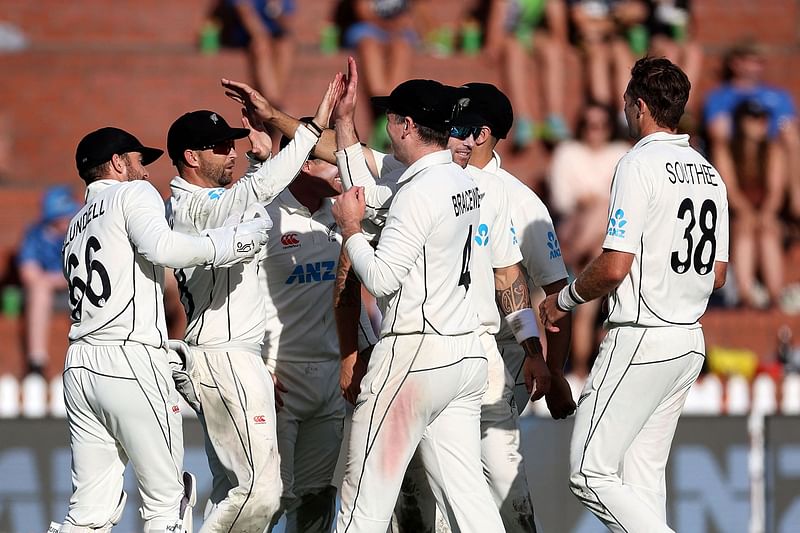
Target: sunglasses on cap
<point>463,132</point>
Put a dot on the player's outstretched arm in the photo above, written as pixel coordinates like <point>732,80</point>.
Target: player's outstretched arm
<point>514,301</point>
<point>346,313</point>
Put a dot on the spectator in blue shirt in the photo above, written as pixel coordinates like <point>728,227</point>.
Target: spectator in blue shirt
<point>40,268</point>
<point>743,81</point>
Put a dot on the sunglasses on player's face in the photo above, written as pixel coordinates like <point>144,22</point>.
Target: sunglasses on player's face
<point>463,132</point>
<point>220,148</point>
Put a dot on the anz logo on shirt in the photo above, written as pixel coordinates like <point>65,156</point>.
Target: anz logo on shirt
<point>311,272</point>
<point>482,238</point>
<point>616,224</point>
<point>552,244</point>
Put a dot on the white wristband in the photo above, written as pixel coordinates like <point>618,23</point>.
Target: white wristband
<point>523,324</point>
<point>569,299</point>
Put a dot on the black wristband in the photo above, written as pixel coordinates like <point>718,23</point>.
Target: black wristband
<point>316,128</point>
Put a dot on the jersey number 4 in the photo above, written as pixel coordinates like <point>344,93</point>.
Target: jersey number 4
<point>694,254</point>
<point>96,274</point>
<point>465,279</point>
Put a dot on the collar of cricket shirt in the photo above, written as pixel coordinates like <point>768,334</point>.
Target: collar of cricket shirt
<point>94,188</point>
<point>441,157</point>
<point>680,139</point>
<point>494,163</point>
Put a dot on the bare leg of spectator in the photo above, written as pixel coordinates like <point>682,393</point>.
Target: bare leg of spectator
<point>790,139</point>
<point>372,62</point>
<point>622,60</point>
<point>770,258</point>
<point>39,288</point>
<point>264,67</point>
<point>400,56</point>
<point>515,69</point>
<point>598,57</point>
<point>744,258</point>
<point>284,54</point>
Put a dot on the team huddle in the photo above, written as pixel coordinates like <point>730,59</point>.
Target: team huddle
<point>271,267</point>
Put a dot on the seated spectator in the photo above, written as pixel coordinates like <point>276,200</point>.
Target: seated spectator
<point>742,79</point>
<point>40,268</point>
<point>580,184</point>
<point>607,31</point>
<point>383,35</point>
<point>670,29</point>
<point>756,192</point>
<point>264,28</point>
<point>515,29</point>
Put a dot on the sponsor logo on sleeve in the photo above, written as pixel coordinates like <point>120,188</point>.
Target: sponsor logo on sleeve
<point>482,237</point>
<point>553,245</point>
<point>245,247</point>
<point>259,419</point>
<point>616,224</point>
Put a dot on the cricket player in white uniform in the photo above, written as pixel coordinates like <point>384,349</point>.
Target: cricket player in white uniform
<point>666,250</point>
<point>301,346</point>
<point>428,372</point>
<point>497,277</point>
<point>225,317</point>
<point>120,398</point>
<point>541,253</point>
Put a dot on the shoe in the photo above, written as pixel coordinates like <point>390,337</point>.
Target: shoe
<point>556,128</point>
<point>379,139</point>
<point>34,396</point>
<point>524,133</point>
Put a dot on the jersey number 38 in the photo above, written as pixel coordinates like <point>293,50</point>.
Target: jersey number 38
<point>694,254</point>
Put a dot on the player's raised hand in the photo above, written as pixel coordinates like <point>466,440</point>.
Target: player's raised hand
<point>260,141</point>
<point>549,313</point>
<point>334,91</point>
<point>348,210</point>
<point>252,100</point>
<point>346,106</point>
<point>559,399</point>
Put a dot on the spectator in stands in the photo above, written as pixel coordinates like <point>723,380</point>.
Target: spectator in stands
<point>516,28</point>
<point>383,35</point>
<point>756,192</point>
<point>669,27</point>
<point>40,269</point>
<point>264,27</point>
<point>743,80</point>
<point>610,32</point>
<point>580,183</point>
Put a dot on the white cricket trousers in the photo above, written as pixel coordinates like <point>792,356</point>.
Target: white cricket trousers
<point>310,428</point>
<point>237,398</point>
<point>502,460</point>
<point>420,391</point>
<point>625,422</point>
<point>122,404</point>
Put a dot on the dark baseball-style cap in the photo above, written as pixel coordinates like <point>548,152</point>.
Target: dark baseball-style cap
<point>199,130</point>
<point>492,105</point>
<point>428,102</point>
<point>99,147</point>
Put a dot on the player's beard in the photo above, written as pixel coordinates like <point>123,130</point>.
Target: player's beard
<point>215,172</point>
<point>134,174</point>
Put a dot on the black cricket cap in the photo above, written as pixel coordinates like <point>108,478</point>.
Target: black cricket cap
<point>492,105</point>
<point>428,102</point>
<point>99,146</point>
<point>199,130</point>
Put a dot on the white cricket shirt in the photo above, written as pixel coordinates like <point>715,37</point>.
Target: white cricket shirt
<point>422,265</point>
<point>299,273</point>
<point>114,253</point>
<point>493,244</point>
<point>535,234</point>
<point>224,306</point>
<point>669,208</point>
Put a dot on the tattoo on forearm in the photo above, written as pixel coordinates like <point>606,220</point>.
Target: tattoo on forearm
<point>514,297</point>
<point>347,289</point>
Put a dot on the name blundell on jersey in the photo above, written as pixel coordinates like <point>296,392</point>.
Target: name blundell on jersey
<point>691,173</point>
<point>92,212</point>
<point>466,201</point>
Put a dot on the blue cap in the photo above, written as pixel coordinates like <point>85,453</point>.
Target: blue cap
<point>58,202</point>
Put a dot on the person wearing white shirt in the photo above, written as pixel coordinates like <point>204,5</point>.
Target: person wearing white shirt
<point>498,277</point>
<point>225,309</point>
<point>666,250</point>
<point>120,399</point>
<point>301,347</point>
<point>428,372</point>
<point>538,242</point>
